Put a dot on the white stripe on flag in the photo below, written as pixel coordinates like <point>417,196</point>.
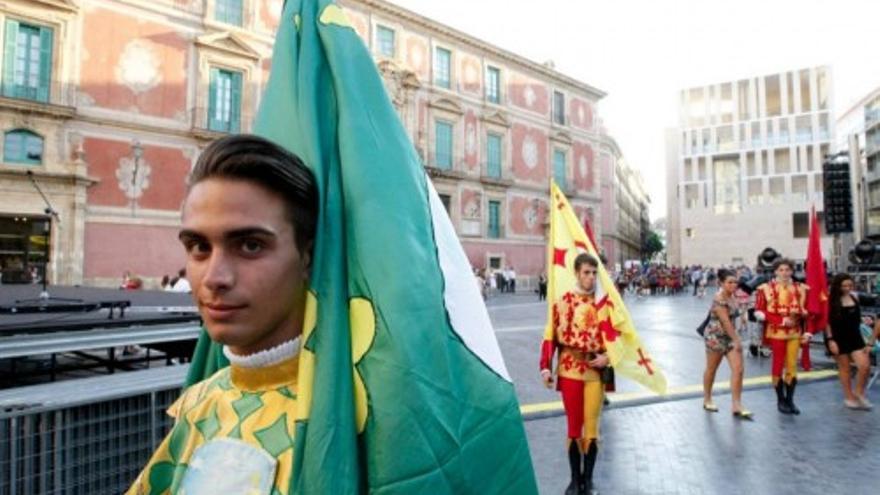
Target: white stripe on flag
<point>464,304</point>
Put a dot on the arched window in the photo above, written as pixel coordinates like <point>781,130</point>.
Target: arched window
<point>22,146</point>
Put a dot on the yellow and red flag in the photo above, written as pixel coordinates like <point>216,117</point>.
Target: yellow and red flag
<point>625,350</point>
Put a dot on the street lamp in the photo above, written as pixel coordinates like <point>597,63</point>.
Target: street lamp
<point>137,150</point>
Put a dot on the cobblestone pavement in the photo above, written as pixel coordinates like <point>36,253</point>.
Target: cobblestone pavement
<point>677,448</point>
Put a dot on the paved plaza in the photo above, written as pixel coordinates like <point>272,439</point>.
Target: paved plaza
<point>672,446</point>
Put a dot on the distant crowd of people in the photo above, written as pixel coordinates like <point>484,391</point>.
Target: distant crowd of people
<point>178,283</point>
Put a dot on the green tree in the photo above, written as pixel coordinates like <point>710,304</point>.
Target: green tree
<point>653,245</point>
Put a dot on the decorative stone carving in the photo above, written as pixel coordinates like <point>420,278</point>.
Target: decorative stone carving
<point>133,177</point>
<point>139,66</point>
<point>472,208</point>
<point>470,142</point>
<point>530,96</point>
<point>530,152</point>
<point>400,83</point>
<point>530,215</point>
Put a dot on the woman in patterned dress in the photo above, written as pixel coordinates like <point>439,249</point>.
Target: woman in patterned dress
<point>722,341</point>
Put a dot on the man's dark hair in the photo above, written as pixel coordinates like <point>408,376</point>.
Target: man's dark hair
<point>258,160</point>
<point>783,261</point>
<point>585,258</point>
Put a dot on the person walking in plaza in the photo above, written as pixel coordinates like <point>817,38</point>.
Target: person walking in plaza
<point>781,305</point>
<point>542,286</point>
<point>582,357</point>
<point>845,340</point>
<point>723,341</point>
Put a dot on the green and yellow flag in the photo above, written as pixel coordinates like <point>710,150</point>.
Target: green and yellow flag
<point>402,387</point>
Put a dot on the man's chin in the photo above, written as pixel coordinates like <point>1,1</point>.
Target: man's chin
<point>228,335</point>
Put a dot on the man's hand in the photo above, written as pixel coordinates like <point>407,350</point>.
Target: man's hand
<point>547,377</point>
<point>806,338</point>
<point>599,362</point>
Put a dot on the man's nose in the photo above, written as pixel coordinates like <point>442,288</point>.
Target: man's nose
<point>219,274</point>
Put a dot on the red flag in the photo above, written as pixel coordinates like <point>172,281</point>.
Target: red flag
<point>817,297</point>
<point>589,232</point>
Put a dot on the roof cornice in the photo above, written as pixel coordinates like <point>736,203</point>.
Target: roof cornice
<point>402,14</point>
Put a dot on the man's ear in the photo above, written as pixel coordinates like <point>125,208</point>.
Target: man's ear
<point>308,257</point>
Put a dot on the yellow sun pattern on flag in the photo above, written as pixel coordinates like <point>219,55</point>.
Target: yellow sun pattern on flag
<point>362,320</point>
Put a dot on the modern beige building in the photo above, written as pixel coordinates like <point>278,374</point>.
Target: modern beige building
<point>745,167</point>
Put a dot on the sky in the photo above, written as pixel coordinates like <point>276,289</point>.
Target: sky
<point>643,52</point>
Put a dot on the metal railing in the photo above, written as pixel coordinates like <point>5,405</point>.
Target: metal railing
<point>88,436</point>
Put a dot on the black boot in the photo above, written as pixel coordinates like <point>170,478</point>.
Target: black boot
<point>586,486</point>
<point>574,462</point>
<point>789,396</point>
<point>781,401</point>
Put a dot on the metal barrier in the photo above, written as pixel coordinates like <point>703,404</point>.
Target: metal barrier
<point>87,436</point>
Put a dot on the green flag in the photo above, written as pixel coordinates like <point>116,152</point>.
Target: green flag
<point>402,385</point>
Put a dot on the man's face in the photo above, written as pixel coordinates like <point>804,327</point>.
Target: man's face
<point>586,277</point>
<point>783,273</point>
<point>248,277</point>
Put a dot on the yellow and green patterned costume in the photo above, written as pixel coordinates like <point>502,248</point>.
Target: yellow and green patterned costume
<point>234,433</point>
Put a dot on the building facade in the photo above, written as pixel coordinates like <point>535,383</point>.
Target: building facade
<point>492,129</point>
<point>744,167</point>
<point>625,204</point>
<point>106,104</point>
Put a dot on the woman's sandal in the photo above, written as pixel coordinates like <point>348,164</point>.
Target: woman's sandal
<point>710,407</point>
<point>743,414</point>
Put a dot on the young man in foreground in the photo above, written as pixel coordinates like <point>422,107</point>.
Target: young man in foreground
<point>248,226</point>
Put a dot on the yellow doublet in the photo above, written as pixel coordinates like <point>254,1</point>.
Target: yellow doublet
<point>252,408</point>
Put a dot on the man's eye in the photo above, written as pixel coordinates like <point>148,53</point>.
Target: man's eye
<point>250,246</point>
<point>198,248</point>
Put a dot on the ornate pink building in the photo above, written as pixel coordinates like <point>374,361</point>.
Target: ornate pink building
<point>108,103</point>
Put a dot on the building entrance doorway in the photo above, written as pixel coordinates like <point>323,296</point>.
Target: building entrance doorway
<point>24,248</point>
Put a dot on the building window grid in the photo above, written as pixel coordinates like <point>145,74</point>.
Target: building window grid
<point>442,68</point>
<point>224,112</point>
<point>22,146</point>
<point>493,155</point>
<point>493,230</point>
<point>493,84</point>
<point>559,108</point>
<point>27,64</point>
<point>385,41</point>
<point>443,145</point>
<point>229,11</point>
<point>559,168</point>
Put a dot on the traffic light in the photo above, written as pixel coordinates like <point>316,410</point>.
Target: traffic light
<point>838,195</point>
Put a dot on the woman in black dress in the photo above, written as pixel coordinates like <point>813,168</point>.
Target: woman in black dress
<point>845,340</point>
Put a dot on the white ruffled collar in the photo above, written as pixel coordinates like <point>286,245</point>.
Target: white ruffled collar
<point>262,359</point>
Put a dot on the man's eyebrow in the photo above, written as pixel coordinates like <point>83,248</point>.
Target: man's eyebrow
<point>188,234</point>
<point>249,232</point>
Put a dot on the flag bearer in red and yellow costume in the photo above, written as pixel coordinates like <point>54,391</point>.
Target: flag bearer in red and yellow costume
<point>581,358</point>
<point>588,330</point>
<point>781,304</point>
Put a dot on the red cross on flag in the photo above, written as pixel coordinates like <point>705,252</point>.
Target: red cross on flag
<point>625,350</point>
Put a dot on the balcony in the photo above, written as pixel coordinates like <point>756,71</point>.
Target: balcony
<point>872,117</point>
<point>37,106</point>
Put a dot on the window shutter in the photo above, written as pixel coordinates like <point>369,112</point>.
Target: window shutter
<point>212,100</point>
<point>11,39</point>
<point>235,102</point>
<point>46,41</point>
